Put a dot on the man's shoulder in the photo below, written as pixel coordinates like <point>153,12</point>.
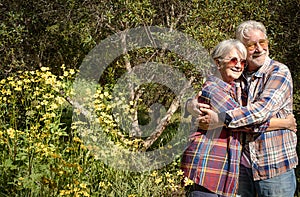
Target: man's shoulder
<point>276,67</point>
<point>279,66</point>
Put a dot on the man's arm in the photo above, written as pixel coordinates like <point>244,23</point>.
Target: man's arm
<point>288,123</point>
<point>276,95</point>
<point>211,121</point>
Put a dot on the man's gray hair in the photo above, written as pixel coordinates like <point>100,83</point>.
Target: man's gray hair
<point>243,29</point>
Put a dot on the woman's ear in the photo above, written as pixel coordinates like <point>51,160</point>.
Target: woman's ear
<point>218,63</point>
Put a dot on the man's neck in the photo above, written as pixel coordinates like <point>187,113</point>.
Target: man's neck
<point>252,68</point>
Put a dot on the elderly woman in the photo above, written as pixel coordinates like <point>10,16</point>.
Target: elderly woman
<point>212,157</point>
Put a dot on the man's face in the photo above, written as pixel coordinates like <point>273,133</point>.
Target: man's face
<point>257,49</point>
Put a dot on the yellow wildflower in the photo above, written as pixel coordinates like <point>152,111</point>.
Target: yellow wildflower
<point>66,73</point>
<point>170,180</point>
<point>72,71</point>
<point>158,180</point>
<point>18,88</point>
<point>180,172</point>
<point>188,181</point>
<point>8,92</point>
<point>167,174</point>
<point>11,132</point>
<point>154,173</point>
<point>83,185</point>
<point>44,69</point>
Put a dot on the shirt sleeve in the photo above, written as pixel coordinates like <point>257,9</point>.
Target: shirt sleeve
<point>219,100</point>
<point>275,93</point>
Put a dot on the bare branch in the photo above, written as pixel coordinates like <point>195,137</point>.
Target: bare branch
<point>164,121</point>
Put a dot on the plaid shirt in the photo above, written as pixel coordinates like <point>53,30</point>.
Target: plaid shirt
<point>212,158</point>
<point>270,93</point>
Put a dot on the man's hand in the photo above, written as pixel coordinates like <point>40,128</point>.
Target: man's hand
<point>193,106</point>
<point>292,122</point>
<point>209,119</point>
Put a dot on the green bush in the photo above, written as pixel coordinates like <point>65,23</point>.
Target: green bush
<point>44,153</point>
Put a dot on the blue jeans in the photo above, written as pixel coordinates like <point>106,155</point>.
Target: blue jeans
<point>201,194</point>
<point>283,185</point>
<point>199,191</point>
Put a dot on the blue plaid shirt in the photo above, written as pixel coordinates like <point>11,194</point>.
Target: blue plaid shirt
<point>270,93</point>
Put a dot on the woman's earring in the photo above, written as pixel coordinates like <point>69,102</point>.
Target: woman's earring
<point>218,64</point>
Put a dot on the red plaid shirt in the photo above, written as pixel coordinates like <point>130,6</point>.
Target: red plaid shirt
<point>212,158</point>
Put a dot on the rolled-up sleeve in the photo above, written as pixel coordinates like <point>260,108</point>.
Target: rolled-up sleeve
<point>270,90</point>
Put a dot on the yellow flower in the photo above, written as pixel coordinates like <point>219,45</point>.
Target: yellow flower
<point>19,82</point>
<point>8,92</point>
<point>174,187</point>
<point>18,88</point>
<point>180,172</point>
<point>167,174</point>
<point>77,139</point>
<point>72,71</point>
<point>12,83</point>
<point>158,180</point>
<point>85,193</point>
<point>170,180</point>
<point>60,100</point>
<point>53,106</point>
<point>102,184</point>
<point>63,192</point>
<point>154,173</point>
<point>79,168</point>
<point>44,69</point>
<point>188,181</point>
<point>44,102</point>
<point>11,132</point>
<point>83,185</point>
<point>106,94</point>
<point>83,147</point>
<point>66,73</point>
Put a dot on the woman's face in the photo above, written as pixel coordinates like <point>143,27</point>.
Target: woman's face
<point>231,66</point>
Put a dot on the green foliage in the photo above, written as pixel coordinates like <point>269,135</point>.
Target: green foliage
<point>43,151</point>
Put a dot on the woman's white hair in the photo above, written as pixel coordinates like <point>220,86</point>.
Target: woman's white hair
<point>225,47</point>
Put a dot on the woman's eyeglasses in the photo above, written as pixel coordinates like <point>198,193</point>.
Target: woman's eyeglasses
<point>235,60</point>
<point>252,45</point>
